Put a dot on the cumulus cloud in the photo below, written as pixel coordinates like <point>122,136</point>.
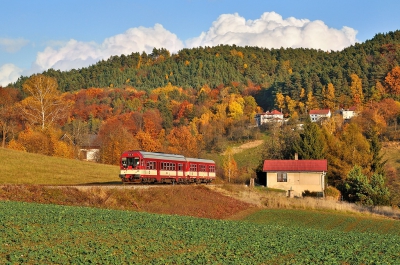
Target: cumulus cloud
<point>272,31</point>
<point>12,45</point>
<point>77,54</point>
<point>9,73</point>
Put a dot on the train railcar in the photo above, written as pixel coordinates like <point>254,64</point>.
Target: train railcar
<point>148,167</point>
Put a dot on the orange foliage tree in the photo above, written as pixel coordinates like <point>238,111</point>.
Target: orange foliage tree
<point>45,142</point>
<point>182,141</point>
<point>148,143</point>
<point>392,79</point>
<point>114,139</point>
<point>8,113</point>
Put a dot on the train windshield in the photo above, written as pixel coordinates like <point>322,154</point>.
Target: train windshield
<point>130,162</point>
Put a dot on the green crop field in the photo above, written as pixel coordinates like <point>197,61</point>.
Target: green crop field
<point>325,220</point>
<point>52,234</point>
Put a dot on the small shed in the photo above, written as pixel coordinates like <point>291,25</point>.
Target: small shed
<point>89,149</point>
<point>296,176</point>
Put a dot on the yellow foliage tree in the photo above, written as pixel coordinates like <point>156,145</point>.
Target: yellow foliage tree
<point>329,96</point>
<point>312,102</point>
<point>280,100</point>
<point>356,90</point>
<point>291,105</point>
<point>229,165</point>
<point>236,106</point>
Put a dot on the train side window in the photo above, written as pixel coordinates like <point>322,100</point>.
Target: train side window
<point>180,167</point>
<point>193,167</point>
<point>150,165</point>
<point>211,168</point>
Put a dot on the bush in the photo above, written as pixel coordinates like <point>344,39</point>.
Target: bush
<point>314,194</point>
<point>331,191</point>
<point>366,191</point>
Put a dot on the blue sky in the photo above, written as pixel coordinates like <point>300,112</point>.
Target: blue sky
<point>41,34</point>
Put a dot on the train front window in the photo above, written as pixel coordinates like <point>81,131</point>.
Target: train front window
<point>124,162</point>
<point>131,162</point>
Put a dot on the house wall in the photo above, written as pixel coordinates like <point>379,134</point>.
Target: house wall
<point>89,154</point>
<point>348,114</point>
<point>297,182</point>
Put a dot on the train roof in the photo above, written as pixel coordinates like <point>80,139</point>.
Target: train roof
<point>156,155</point>
<point>189,159</point>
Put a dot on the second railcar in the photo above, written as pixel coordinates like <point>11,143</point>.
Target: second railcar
<point>149,167</point>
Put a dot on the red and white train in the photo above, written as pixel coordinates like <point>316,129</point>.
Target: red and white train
<point>148,167</point>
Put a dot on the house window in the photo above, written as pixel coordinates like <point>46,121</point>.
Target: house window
<point>282,177</point>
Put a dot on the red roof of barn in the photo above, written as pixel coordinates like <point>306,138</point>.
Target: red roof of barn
<point>296,165</point>
<point>320,111</point>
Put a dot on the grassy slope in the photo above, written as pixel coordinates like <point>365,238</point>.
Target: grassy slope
<point>24,168</point>
<point>391,152</point>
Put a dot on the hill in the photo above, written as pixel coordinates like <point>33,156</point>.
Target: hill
<point>245,68</point>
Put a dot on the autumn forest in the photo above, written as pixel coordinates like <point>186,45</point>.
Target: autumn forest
<point>202,100</point>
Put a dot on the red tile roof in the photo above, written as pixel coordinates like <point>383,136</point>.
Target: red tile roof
<point>319,111</point>
<point>275,112</point>
<point>296,165</point>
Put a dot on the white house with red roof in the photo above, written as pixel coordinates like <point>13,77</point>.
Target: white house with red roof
<point>296,176</point>
<point>273,116</point>
<point>318,114</point>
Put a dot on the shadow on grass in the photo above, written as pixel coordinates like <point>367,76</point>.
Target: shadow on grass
<point>101,183</point>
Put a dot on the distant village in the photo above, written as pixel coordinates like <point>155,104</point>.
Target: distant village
<point>316,115</point>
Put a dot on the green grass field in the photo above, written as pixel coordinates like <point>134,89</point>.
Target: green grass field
<point>25,168</point>
<point>51,234</point>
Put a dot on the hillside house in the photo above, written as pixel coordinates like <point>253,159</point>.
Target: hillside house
<point>349,113</point>
<point>273,116</point>
<point>318,115</point>
<point>89,149</point>
<point>296,176</point>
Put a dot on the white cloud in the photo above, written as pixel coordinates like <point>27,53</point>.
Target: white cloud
<point>76,54</point>
<point>12,45</point>
<point>272,31</point>
<point>9,73</point>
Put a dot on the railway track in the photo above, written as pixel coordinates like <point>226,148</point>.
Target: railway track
<point>124,185</point>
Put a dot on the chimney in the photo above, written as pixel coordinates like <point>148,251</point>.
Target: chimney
<point>296,156</point>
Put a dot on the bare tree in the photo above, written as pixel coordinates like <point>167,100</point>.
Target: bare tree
<point>44,105</point>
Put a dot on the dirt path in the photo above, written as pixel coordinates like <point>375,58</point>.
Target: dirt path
<point>248,145</point>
